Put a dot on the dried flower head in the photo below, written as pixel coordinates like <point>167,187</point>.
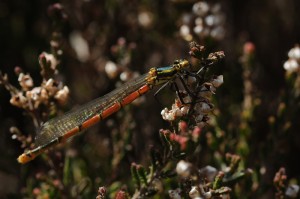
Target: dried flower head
<point>48,63</point>
<point>101,193</point>
<point>19,100</point>
<point>62,95</point>
<point>25,81</point>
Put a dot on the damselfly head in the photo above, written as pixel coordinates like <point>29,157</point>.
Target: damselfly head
<point>181,64</point>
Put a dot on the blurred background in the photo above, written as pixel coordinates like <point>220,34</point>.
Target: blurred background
<point>105,43</point>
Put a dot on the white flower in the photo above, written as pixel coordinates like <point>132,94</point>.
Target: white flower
<point>184,169</point>
<point>203,107</point>
<point>201,8</point>
<point>199,21</point>
<point>199,118</point>
<point>198,29</point>
<point>44,95</point>
<point>194,193</point>
<point>294,53</point>
<point>210,20</point>
<point>34,94</point>
<point>184,110</point>
<point>80,46</point>
<point>19,100</point>
<point>50,58</point>
<point>175,194</point>
<point>111,69</point>
<point>127,75</point>
<point>178,110</point>
<point>292,191</point>
<point>145,19</point>
<point>62,95</point>
<point>291,65</point>
<point>187,99</point>
<point>51,87</point>
<point>209,172</point>
<point>218,81</point>
<point>25,81</point>
<point>205,92</point>
<point>37,96</point>
<point>168,115</point>
<point>184,31</point>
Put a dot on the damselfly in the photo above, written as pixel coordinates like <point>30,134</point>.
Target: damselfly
<point>62,128</point>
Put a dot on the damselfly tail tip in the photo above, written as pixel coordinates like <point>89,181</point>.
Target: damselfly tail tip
<point>24,158</point>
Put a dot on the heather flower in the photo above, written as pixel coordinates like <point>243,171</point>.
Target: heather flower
<point>50,59</point>
<point>175,194</point>
<point>204,107</point>
<point>62,95</point>
<point>36,97</point>
<point>218,81</point>
<point>292,64</point>
<point>36,191</point>
<point>181,140</point>
<point>19,100</point>
<point>145,19</point>
<point>184,169</point>
<point>294,53</point>
<point>80,46</point>
<point>56,11</point>
<point>178,110</point>
<point>185,32</point>
<point>208,172</point>
<point>111,69</point>
<point>183,126</point>
<point>124,76</point>
<point>292,191</point>
<point>25,81</point>
<point>201,106</point>
<point>201,8</point>
<point>121,195</point>
<point>44,97</point>
<point>196,133</point>
<point>194,192</point>
<point>206,20</point>
<point>51,86</point>
<point>206,91</point>
<point>127,75</point>
<point>101,193</point>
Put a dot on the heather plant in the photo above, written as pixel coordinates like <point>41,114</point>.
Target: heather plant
<point>227,129</point>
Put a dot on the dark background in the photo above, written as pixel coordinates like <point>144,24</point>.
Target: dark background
<point>273,26</point>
